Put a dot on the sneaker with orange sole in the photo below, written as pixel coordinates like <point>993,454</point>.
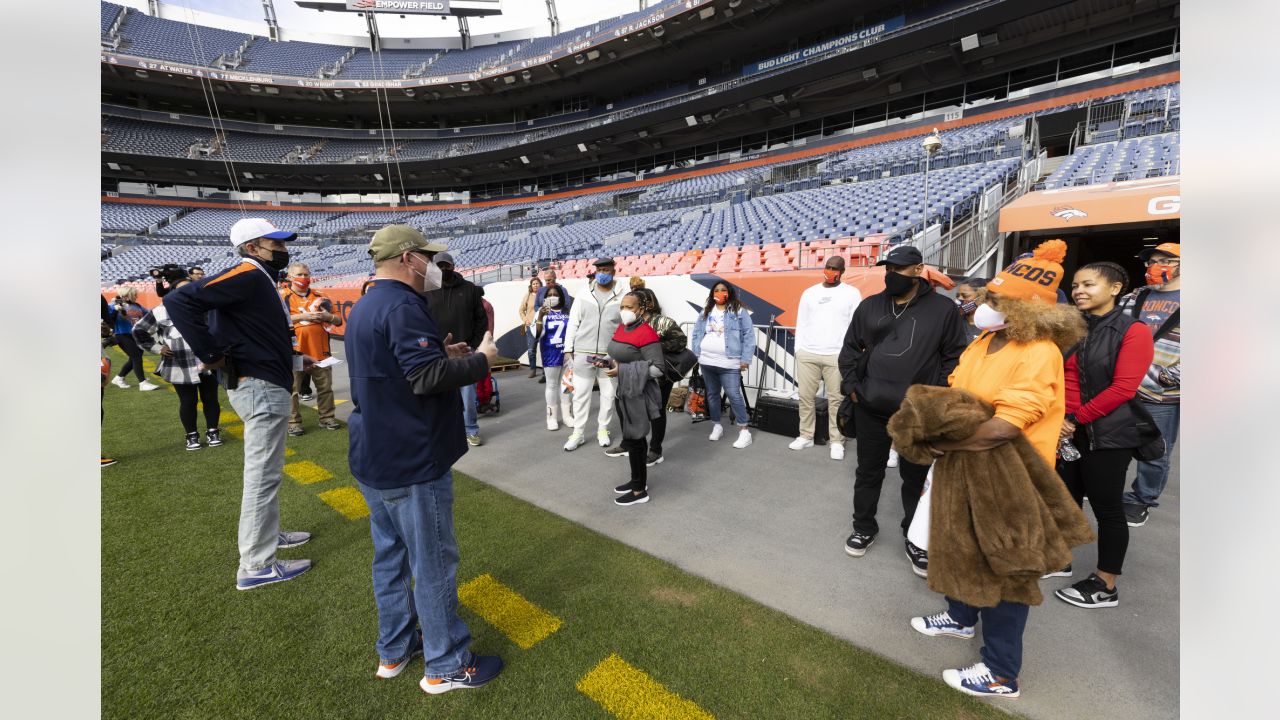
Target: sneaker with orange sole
<point>478,672</point>
<point>386,671</point>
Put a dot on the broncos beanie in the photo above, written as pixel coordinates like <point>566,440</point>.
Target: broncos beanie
<point>1035,277</point>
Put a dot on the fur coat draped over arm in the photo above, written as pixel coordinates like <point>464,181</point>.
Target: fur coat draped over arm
<point>1000,518</point>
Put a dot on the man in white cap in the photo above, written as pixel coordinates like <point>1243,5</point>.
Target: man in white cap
<point>235,323</point>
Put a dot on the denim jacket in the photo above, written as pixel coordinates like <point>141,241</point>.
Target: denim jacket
<point>740,344</point>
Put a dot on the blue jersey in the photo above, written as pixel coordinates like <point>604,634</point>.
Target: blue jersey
<point>554,325</point>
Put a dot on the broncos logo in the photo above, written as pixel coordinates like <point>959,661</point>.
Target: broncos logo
<point>1068,213</point>
<point>365,3</point>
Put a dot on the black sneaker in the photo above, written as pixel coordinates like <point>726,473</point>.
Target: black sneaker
<point>624,488</point>
<point>213,436</point>
<point>616,451</point>
<point>295,430</point>
<point>1090,593</point>
<point>193,441</point>
<point>630,498</point>
<point>919,558</point>
<point>306,397</point>
<point>653,459</point>
<point>858,543</point>
<point>1135,514</point>
<point>1064,572</point>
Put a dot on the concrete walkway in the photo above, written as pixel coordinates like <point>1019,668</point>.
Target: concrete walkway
<point>770,523</point>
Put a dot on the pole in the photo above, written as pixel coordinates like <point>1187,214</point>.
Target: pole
<point>927,157</point>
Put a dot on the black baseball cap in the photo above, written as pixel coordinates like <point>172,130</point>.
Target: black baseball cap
<point>902,255</point>
<point>603,261</point>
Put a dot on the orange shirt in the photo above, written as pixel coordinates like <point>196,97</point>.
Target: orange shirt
<point>1025,383</point>
<point>310,338</point>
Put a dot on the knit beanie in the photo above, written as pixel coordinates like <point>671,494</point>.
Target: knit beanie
<point>1035,277</point>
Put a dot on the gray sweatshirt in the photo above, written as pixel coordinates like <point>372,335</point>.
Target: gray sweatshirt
<point>591,325</point>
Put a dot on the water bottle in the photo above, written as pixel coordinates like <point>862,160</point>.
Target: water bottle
<point>1067,451</point>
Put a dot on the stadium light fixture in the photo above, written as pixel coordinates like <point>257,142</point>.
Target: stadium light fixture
<point>931,145</point>
<point>579,59</point>
<point>690,120</point>
<point>969,42</point>
<point>706,12</point>
<point>582,148</point>
<point>524,159</point>
<point>657,31</point>
<point>526,75</point>
<point>869,74</point>
<point>734,3</point>
<point>466,87</point>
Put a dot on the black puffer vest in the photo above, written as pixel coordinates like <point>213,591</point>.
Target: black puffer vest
<point>1096,362</point>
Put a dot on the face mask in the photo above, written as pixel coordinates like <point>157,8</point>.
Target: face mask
<point>898,284</point>
<point>627,316</point>
<point>302,283</point>
<point>832,276</point>
<point>988,318</point>
<point>431,279</point>
<point>1160,274</point>
<point>720,297</point>
<point>552,301</point>
<point>604,278</point>
<point>968,307</point>
<point>278,262</point>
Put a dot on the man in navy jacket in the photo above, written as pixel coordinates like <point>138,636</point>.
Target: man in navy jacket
<point>406,432</point>
<point>235,322</point>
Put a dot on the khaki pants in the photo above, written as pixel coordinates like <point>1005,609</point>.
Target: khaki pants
<point>322,379</point>
<point>810,369</point>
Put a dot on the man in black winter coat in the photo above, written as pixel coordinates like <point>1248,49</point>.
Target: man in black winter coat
<point>458,310</point>
<point>906,335</point>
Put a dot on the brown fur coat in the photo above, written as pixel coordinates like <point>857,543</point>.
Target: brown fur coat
<point>1000,518</point>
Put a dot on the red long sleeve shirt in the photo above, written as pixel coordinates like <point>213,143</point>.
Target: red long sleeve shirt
<point>1136,351</point>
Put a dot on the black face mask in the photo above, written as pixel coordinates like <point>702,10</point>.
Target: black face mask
<point>278,262</point>
<point>898,284</point>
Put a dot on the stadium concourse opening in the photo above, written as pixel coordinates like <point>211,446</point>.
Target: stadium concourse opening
<point>716,157</point>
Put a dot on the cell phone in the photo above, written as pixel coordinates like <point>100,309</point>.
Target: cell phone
<point>599,361</point>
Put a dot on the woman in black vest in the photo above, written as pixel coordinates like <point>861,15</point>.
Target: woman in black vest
<point>1102,375</point>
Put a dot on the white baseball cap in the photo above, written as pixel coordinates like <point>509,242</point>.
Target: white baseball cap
<point>253,228</point>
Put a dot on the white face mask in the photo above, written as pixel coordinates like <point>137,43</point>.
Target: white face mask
<point>627,317</point>
<point>432,280</point>
<point>988,318</point>
<point>551,301</point>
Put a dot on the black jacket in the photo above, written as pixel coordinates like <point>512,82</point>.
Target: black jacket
<point>1096,357</point>
<point>457,310</point>
<point>921,346</point>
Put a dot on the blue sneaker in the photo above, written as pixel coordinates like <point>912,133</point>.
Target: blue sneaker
<point>941,624</point>
<point>480,671</point>
<point>978,680</point>
<point>292,539</point>
<point>278,571</point>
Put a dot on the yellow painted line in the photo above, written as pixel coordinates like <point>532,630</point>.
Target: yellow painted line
<point>237,430</point>
<point>339,401</point>
<point>290,452</point>
<point>228,416</point>
<point>628,693</point>
<point>524,623</point>
<point>346,500</point>
<point>307,472</point>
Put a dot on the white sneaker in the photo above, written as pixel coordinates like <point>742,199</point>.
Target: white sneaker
<point>717,431</point>
<point>575,441</point>
<point>801,443</point>
<point>744,439</point>
<point>551,419</point>
<point>837,451</point>
<point>120,382</point>
<point>893,458</point>
<point>146,385</point>
<point>602,437</point>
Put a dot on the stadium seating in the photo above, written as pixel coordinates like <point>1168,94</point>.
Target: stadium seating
<point>302,59</point>
<point>182,42</point>
<point>131,218</point>
<point>1129,159</point>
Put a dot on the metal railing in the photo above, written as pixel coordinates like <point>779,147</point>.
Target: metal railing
<point>773,369</point>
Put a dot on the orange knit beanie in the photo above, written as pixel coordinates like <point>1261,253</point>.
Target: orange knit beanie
<point>1035,277</point>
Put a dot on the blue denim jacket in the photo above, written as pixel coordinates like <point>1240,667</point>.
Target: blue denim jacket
<point>740,344</point>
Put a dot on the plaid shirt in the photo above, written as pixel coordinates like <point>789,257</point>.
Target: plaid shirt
<point>156,329</point>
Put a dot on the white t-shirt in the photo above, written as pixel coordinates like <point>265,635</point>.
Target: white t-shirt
<point>824,317</point>
<point>712,351</point>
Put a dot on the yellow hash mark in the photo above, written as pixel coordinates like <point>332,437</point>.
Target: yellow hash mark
<point>290,452</point>
<point>228,416</point>
<point>307,472</point>
<point>237,430</point>
<point>629,693</point>
<point>507,610</point>
<point>346,500</point>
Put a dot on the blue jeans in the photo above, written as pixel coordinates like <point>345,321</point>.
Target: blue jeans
<point>729,380</point>
<point>470,420</point>
<point>415,575</point>
<point>1002,628</point>
<point>265,409</point>
<point>1152,476</point>
<point>531,345</point>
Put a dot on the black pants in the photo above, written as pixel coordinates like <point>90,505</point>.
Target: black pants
<point>637,452</point>
<point>659,424</point>
<point>1099,475</point>
<point>873,443</point>
<point>206,393</point>
<point>305,387</point>
<point>130,347</point>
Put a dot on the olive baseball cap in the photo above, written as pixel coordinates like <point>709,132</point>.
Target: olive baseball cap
<point>394,240</point>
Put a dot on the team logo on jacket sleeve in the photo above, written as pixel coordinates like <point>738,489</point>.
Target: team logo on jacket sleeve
<point>422,342</point>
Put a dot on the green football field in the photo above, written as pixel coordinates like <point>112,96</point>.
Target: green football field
<point>588,627</point>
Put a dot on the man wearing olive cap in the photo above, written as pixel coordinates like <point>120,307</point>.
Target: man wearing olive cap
<point>406,433</point>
